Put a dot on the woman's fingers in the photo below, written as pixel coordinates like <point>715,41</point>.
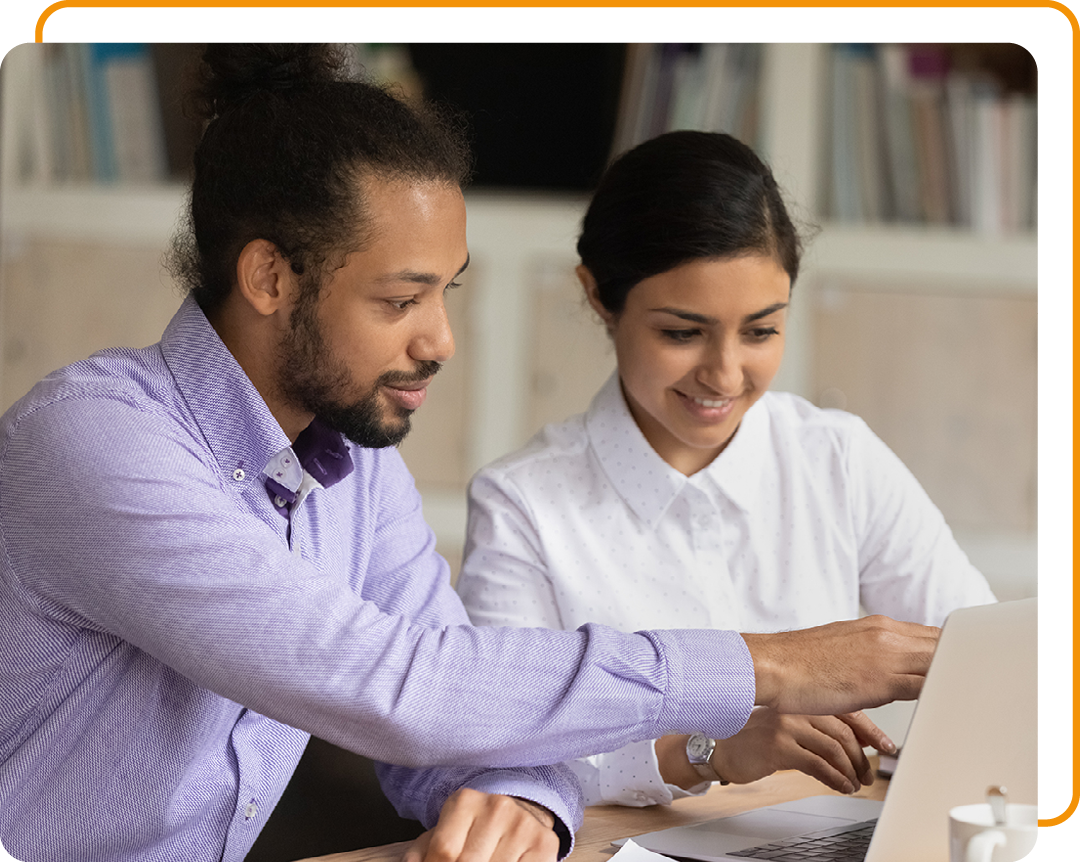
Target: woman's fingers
<point>868,733</point>
<point>837,744</point>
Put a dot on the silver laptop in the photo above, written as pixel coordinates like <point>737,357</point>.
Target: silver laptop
<point>974,726</point>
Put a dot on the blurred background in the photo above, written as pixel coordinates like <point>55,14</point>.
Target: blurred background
<point>910,167</point>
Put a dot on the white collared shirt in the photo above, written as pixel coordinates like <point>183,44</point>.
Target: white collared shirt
<point>805,516</point>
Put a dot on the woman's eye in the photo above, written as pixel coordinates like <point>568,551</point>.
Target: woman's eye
<point>763,333</point>
<point>679,336</point>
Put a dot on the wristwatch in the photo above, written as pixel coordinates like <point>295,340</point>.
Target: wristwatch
<point>699,750</point>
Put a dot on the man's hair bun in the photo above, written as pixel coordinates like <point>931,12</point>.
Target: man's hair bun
<point>231,73</point>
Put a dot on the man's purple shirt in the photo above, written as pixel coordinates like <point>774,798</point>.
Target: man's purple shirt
<point>168,639</point>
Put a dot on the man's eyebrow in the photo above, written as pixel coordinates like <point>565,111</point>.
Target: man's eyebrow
<point>414,277</point>
<point>707,320</point>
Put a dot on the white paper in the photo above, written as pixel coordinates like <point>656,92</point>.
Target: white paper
<point>631,852</point>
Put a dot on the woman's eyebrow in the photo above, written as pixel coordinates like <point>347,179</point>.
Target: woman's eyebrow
<point>693,317</point>
<point>707,320</point>
<point>765,312</point>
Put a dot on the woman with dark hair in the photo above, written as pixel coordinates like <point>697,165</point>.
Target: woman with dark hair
<point>688,494</point>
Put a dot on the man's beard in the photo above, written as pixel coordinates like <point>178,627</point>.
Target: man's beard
<point>313,378</point>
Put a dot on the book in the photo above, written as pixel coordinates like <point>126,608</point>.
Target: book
<point>845,194</point>
<point>987,203</point>
<point>928,66</point>
<point>902,173</point>
<point>688,91</point>
<point>26,148</point>
<point>633,96</point>
<point>959,108</point>
<point>868,147</point>
<point>127,142</point>
<point>688,86</point>
<point>1018,169</point>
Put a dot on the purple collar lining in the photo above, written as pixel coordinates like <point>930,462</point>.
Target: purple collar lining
<point>323,453</point>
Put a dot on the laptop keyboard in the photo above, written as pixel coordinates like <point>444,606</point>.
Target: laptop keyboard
<point>839,844</point>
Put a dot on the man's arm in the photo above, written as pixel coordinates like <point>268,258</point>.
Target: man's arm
<point>148,542</point>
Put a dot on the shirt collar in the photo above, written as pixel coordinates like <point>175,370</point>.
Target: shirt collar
<point>231,414</point>
<point>737,471</point>
<point>318,459</point>
<point>319,450</point>
<point>646,482</point>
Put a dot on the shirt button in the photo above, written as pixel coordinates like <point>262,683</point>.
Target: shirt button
<point>280,501</point>
<point>238,475</point>
<point>250,810</point>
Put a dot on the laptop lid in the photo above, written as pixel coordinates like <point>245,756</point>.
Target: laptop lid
<point>974,726</point>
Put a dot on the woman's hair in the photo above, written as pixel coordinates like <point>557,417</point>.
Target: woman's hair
<point>289,136</point>
<point>679,197</point>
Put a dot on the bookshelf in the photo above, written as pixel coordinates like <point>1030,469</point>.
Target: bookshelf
<point>528,350</point>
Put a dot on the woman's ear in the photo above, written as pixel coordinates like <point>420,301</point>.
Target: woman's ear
<point>263,277</point>
<point>592,294</point>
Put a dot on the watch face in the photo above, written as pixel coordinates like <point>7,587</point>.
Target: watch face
<point>698,746</point>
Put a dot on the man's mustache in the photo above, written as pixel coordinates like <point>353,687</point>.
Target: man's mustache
<point>425,369</point>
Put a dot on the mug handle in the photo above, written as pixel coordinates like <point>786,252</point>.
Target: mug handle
<point>981,846</point>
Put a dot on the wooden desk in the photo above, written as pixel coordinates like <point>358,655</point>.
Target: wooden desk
<point>605,823</point>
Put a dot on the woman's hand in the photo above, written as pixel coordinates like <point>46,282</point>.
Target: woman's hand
<point>483,827</point>
<point>826,747</point>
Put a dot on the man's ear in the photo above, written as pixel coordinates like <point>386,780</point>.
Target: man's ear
<point>592,293</point>
<point>263,277</point>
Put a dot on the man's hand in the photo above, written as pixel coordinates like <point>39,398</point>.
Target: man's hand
<point>841,667</point>
<point>484,827</point>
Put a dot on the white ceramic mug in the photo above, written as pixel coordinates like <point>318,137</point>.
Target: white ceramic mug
<point>975,837</point>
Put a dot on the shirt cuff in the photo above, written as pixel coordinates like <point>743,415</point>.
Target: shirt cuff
<point>711,685</point>
<point>523,785</point>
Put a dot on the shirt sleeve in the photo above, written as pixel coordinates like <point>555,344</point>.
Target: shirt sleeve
<point>419,794</point>
<point>910,565</point>
<point>145,542</point>
<point>423,593</point>
<point>504,581</point>
<point>629,776</point>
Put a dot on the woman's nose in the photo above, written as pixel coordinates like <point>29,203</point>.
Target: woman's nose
<point>723,369</point>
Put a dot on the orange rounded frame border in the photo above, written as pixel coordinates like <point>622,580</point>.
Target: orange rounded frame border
<point>1050,4</point>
